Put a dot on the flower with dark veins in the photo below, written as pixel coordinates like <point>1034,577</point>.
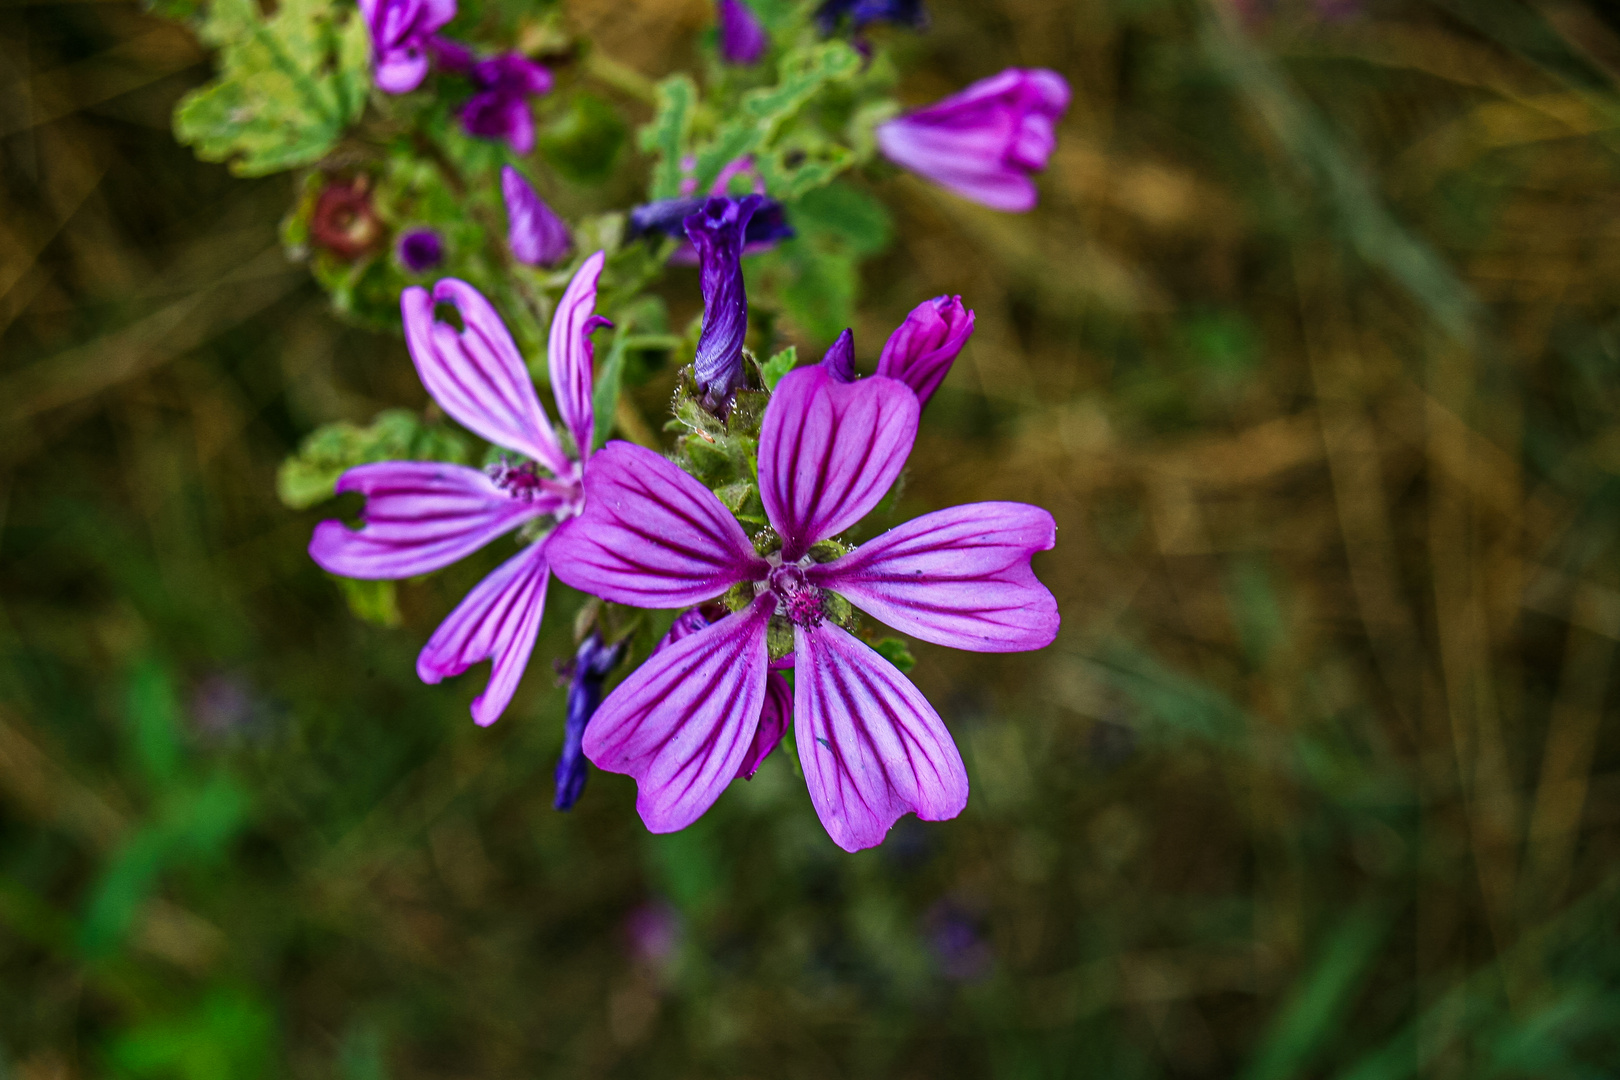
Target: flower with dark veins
<point>920,351</point>
<point>717,230</point>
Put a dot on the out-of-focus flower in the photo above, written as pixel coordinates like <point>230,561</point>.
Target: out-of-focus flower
<point>716,230</point>
<point>864,12</point>
<point>500,108</point>
<point>402,32</point>
<point>420,250</point>
<point>983,142</point>
<point>421,516</point>
<point>921,350</point>
<point>534,232</point>
<point>652,933</point>
<point>592,663</point>
<point>742,37</point>
<point>344,221</point>
<point>223,706</point>
<point>956,939</point>
<point>871,746</point>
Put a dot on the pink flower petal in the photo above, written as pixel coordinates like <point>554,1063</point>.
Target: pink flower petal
<point>569,351</point>
<point>871,746</point>
<point>957,577</point>
<point>420,516</point>
<point>498,620</point>
<point>829,451</point>
<point>773,721</point>
<point>651,535</point>
<point>477,376</point>
<point>682,722</point>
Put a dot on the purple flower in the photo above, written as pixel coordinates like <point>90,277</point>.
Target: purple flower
<point>536,235</point>
<point>592,663</point>
<point>871,746</point>
<point>921,350</point>
<point>956,938</point>
<point>766,228</point>
<point>742,38</point>
<point>421,516</point>
<point>985,141</point>
<point>401,38</point>
<point>500,109</point>
<point>863,12</point>
<point>717,229</point>
<point>420,250</point>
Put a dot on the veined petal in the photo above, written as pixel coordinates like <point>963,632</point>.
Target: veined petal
<point>569,352</point>
<point>682,722</point>
<point>420,516</point>
<point>498,620</point>
<point>959,577</point>
<point>871,746</point>
<point>774,716</point>
<point>829,451</point>
<point>921,350</point>
<point>651,536</point>
<point>477,376</point>
<point>534,233</point>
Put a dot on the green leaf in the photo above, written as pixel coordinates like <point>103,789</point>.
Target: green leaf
<point>848,213</point>
<point>288,85</point>
<point>229,1036</point>
<point>605,397</point>
<point>309,476</point>
<point>375,602</point>
<point>772,370</point>
<point>897,652</point>
<point>153,715</point>
<point>584,142</point>
<point>667,134</point>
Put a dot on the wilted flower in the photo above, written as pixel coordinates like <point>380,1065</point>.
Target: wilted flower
<point>742,38</point>
<point>717,229</point>
<point>401,39</point>
<point>871,746</point>
<point>500,109</point>
<point>344,221</point>
<point>766,228</point>
<point>534,232</point>
<point>421,516</point>
<point>592,663</point>
<point>985,141</point>
<point>864,12</point>
<point>420,250</point>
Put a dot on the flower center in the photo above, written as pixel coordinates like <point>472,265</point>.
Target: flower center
<point>523,481</point>
<point>797,600</point>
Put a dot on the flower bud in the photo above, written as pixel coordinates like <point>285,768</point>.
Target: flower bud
<point>921,350</point>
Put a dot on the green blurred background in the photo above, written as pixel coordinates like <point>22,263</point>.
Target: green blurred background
<point>1311,348</point>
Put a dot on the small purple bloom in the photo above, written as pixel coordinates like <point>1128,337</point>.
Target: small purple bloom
<point>592,663</point>
<point>864,12</point>
<point>956,939</point>
<point>921,350</point>
<point>500,109</point>
<point>717,229</point>
<point>985,141</point>
<point>742,38</point>
<point>421,516</point>
<point>420,250</point>
<point>652,933</point>
<point>401,38</point>
<point>871,746</point>
<point>534,232</point>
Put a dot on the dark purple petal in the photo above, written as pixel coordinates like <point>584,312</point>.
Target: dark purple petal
<point>592,664</point>
<point>651,536</point>
<point>871,746</point>
<point>840,359</point>
<point>536,235</point>
<point>774,716</point>
<point>959,577</point>
<point>717,231</point>
<point>985,141</point>
<point>420,516</point>
<point>452,55</point>
<point>498,620</point>
<point>742,38</point>
<point>683,722</point>
<point>501,108</point>
<point>569,352</point>
<point>921,350</point>
<point>768,225</point>
<point>862,13</point>
<point>477,376</point>
<point>420,250</point>
<point>829,452</point>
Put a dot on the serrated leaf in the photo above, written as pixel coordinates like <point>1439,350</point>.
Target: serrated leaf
<point>667,134</point>
<point>309,476</point>
<point>287,88</point>
<point>897,652</point>
<point>772,370</point>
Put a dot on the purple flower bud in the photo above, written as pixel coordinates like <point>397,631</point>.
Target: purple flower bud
<point>717,230</point>
<point>922,348</point>
<point>401,39</point>
<point>592,663</point>
<point>742,38</point>
<point>863,12</point>
<point>840,359</point>
<point>536,235</point>
<point>420,250</point>
<point>983,142</point>
<point>500,109</point>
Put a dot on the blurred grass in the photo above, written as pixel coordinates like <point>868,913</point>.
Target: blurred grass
<point>1310,348</point>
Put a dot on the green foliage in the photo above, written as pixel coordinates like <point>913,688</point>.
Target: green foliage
<point>310,476</point>
<point>375,602</point>
<point>815,275</point>
<point>772,370</point>
<point>896,651</point>
<point>289,85</point>
<point>229,1035</point>
<point>666,136</point>
<point>583,144</point>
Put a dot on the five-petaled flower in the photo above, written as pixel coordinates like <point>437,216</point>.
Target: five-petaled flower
<point>871,746</point>
<point>984,141</point>
<point>500,108</point>
<point>421,516</point>
<point>402,33</point>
